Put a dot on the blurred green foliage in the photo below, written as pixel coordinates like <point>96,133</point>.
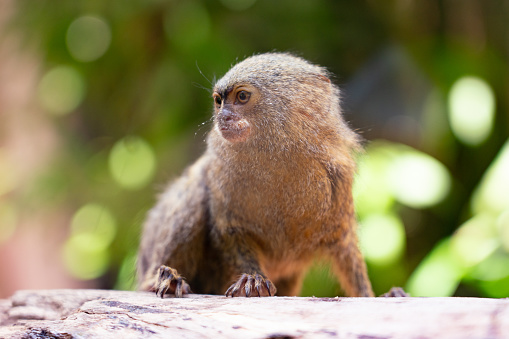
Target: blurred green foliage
<point>127,86</point>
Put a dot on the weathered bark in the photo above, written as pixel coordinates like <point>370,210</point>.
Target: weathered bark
<point>117,314</point>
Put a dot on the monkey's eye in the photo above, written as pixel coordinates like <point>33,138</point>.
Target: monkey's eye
<point>243,97</point>
<point>217,99</point>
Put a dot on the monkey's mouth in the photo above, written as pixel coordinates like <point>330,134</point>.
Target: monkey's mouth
<point>234,130</point>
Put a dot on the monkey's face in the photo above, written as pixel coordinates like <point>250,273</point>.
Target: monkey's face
<point>233,108</point>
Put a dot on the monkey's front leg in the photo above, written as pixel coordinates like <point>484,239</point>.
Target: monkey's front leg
<point>349,266</point>
<point>241,257</point>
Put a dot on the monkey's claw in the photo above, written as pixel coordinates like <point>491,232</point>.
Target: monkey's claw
<point>251,285</point>
<point>395,292</point>
<point>170,282</point>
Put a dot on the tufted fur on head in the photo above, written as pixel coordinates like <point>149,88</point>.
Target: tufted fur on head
<point>299,109</point>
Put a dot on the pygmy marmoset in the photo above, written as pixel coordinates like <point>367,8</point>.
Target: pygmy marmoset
<point>272,191</point>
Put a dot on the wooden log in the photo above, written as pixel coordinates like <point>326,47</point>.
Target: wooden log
<point>120,314</point>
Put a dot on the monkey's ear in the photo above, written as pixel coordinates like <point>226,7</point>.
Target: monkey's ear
<point>320,81</point>
<point>313,77</point>
<point>323,77</point>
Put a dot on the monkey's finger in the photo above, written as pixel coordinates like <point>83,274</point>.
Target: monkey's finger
<point>258,281</point>
<point>258,284</point>
<point>158,288</point>
<point>163,272</point>
<point>240,283</point>
<point>243,278</point>
<point>233,291</point>
<point>178,289</point>
<point>273,289</point>
<point>165,276</point>
<point>395,292</point>
<point>267,285</point>
<point>229,291</point>
<point>163,287</point>
<point>259,290</point>
<point>163,290</point>
<point>248,285</point>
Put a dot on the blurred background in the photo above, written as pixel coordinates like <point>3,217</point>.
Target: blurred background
<point>103,102</point>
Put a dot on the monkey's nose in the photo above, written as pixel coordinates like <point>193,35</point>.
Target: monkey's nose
<point>227,115</point>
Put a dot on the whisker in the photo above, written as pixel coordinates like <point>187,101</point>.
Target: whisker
<point>203,75</point>
<point>200,86</point>
<point>206,123</point>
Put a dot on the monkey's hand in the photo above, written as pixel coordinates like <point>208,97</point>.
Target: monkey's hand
<point>395,292</point>
<point>252,285</point>
<point>170,282</point>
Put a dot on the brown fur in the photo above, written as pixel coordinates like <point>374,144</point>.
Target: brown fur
<point>265,199</point>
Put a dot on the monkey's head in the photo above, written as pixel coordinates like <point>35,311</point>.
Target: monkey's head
<point>234,106</point>
<point>276,100</point>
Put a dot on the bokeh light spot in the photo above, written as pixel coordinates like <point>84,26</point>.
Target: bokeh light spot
<point>382,239</point>
<point>238,5</point>
<point>132,162</point>
<point>391,172</point>
<point>84,257</point>
<point>418,180</point>
<point>86,252</point>
<point>97,220</point>
<point>61,90</point>
<point>371,190</point>
<point>492,194</point>
<point>471,110</point>
<point>88,38</point>
<point>503,229</point>
<point>495,267</point>
<point>474,241</point>
<point>435,279</point>
<point>438,275</point>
